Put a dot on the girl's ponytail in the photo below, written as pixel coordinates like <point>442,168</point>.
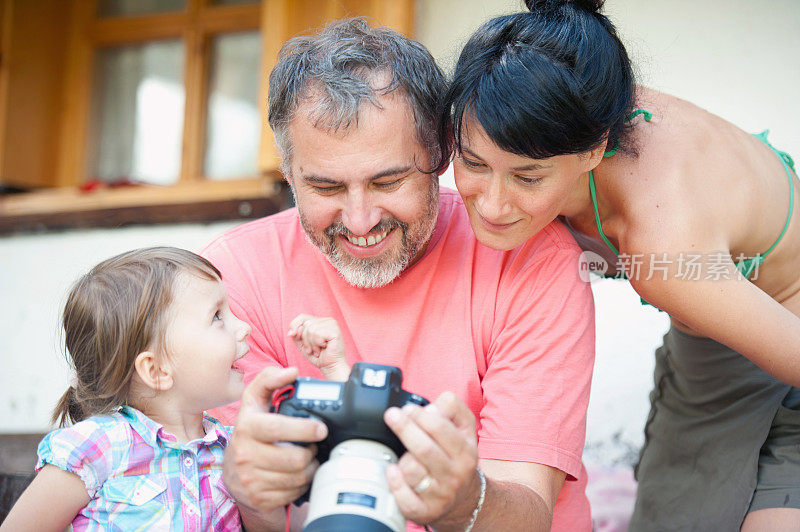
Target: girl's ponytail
<point>68,409</point>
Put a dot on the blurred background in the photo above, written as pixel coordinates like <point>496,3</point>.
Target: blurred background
<point>129,123</point>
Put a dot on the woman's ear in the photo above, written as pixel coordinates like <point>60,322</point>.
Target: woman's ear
<point>151,373</point>
<point>594,156</point>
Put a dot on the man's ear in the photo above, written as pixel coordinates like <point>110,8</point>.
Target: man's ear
<point>153,374</point>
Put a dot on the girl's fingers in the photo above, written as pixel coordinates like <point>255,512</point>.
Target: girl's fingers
<point>298,321</point>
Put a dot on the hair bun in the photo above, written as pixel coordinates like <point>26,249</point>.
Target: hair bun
<point>592,6</point>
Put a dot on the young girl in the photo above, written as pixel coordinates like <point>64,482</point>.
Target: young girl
<point>154,345</point>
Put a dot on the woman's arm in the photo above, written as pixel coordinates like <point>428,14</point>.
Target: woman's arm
<point>718,302</point>
<point>51,502</point>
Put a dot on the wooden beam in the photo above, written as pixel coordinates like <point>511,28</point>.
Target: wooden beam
<point>274,31</point>
<point>73,139</point>
<point>248,208</point>
<point>195,81</point>
<point>6,27</point>
<point>73,199</point>
<point>210,19</point>
<point>224,19</point>
<point>31,90</point>
<point>121,30</point>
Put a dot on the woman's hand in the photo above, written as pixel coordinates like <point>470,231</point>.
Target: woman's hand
<point>320,340</point>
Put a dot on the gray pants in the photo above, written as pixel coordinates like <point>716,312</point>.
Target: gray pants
<point>722,439</point>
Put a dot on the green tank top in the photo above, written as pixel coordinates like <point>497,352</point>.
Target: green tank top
<point>747,266</point>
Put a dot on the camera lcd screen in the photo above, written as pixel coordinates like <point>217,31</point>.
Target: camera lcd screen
<point>325,391</point>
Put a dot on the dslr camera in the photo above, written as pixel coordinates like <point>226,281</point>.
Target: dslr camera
<point>349,491</point>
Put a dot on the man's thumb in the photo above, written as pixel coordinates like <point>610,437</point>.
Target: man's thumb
<point>258,393</point>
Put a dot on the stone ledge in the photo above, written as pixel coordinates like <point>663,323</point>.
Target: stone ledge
<point>18,452</point>
<point>17,460</point>
<point>11,487</point>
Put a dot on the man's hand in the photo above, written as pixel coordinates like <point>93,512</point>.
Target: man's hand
<point>260,470</point>
<point>320,340</point>
<point>436,481</point>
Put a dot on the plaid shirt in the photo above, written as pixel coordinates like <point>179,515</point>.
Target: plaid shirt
<point>140,478</point>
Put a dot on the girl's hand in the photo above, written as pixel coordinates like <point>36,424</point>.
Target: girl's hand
<point>320,340</point>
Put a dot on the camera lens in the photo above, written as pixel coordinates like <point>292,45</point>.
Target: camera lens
<point>350,494</point>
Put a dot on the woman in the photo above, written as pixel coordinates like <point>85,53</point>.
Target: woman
<point>547,123</point>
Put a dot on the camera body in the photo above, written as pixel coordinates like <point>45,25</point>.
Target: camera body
<point>349,492</point>
<point>352,409</point>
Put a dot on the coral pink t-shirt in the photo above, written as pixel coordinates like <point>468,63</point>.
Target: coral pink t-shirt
<point>510,333</point>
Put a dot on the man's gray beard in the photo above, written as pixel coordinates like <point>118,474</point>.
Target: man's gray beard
<point>377,271</point>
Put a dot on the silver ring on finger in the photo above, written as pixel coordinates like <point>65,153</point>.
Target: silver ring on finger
<point>424,484</point>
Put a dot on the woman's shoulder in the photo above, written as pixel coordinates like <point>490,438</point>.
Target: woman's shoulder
<point>690,168</point>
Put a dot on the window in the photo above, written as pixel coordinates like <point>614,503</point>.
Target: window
<point>119,111</point>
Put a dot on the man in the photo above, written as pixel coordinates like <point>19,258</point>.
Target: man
<point>504,338</point>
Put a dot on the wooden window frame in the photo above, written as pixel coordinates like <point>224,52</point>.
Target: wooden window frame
<point>62,203</point>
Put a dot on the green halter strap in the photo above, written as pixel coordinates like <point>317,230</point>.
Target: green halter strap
<point>787,163</point>
<point>747,266</point>
<point>597,215</point>
<point>647,116</point>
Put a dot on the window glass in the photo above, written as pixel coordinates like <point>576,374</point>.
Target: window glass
<point>234,114</point>
<point>137,113</point>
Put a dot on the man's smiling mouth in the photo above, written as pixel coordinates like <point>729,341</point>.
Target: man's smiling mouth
<point>371,240</point>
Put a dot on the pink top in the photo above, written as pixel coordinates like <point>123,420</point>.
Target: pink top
<point>140,478</point>
<point>511,333</point>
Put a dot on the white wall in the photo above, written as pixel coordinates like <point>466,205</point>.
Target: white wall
<point>737,58</point>
<point>36,272</point>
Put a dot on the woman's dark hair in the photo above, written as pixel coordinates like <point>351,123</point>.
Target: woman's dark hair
<point>112,314</point>
<point>554,81</point>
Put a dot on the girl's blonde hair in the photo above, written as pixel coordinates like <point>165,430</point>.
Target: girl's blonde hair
<point>112,314</point>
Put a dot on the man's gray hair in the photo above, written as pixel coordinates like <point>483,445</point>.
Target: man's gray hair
<point>337,69</point>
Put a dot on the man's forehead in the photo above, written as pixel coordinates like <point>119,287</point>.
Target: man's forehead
<point>341,118</point>
<point>372,120</point>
